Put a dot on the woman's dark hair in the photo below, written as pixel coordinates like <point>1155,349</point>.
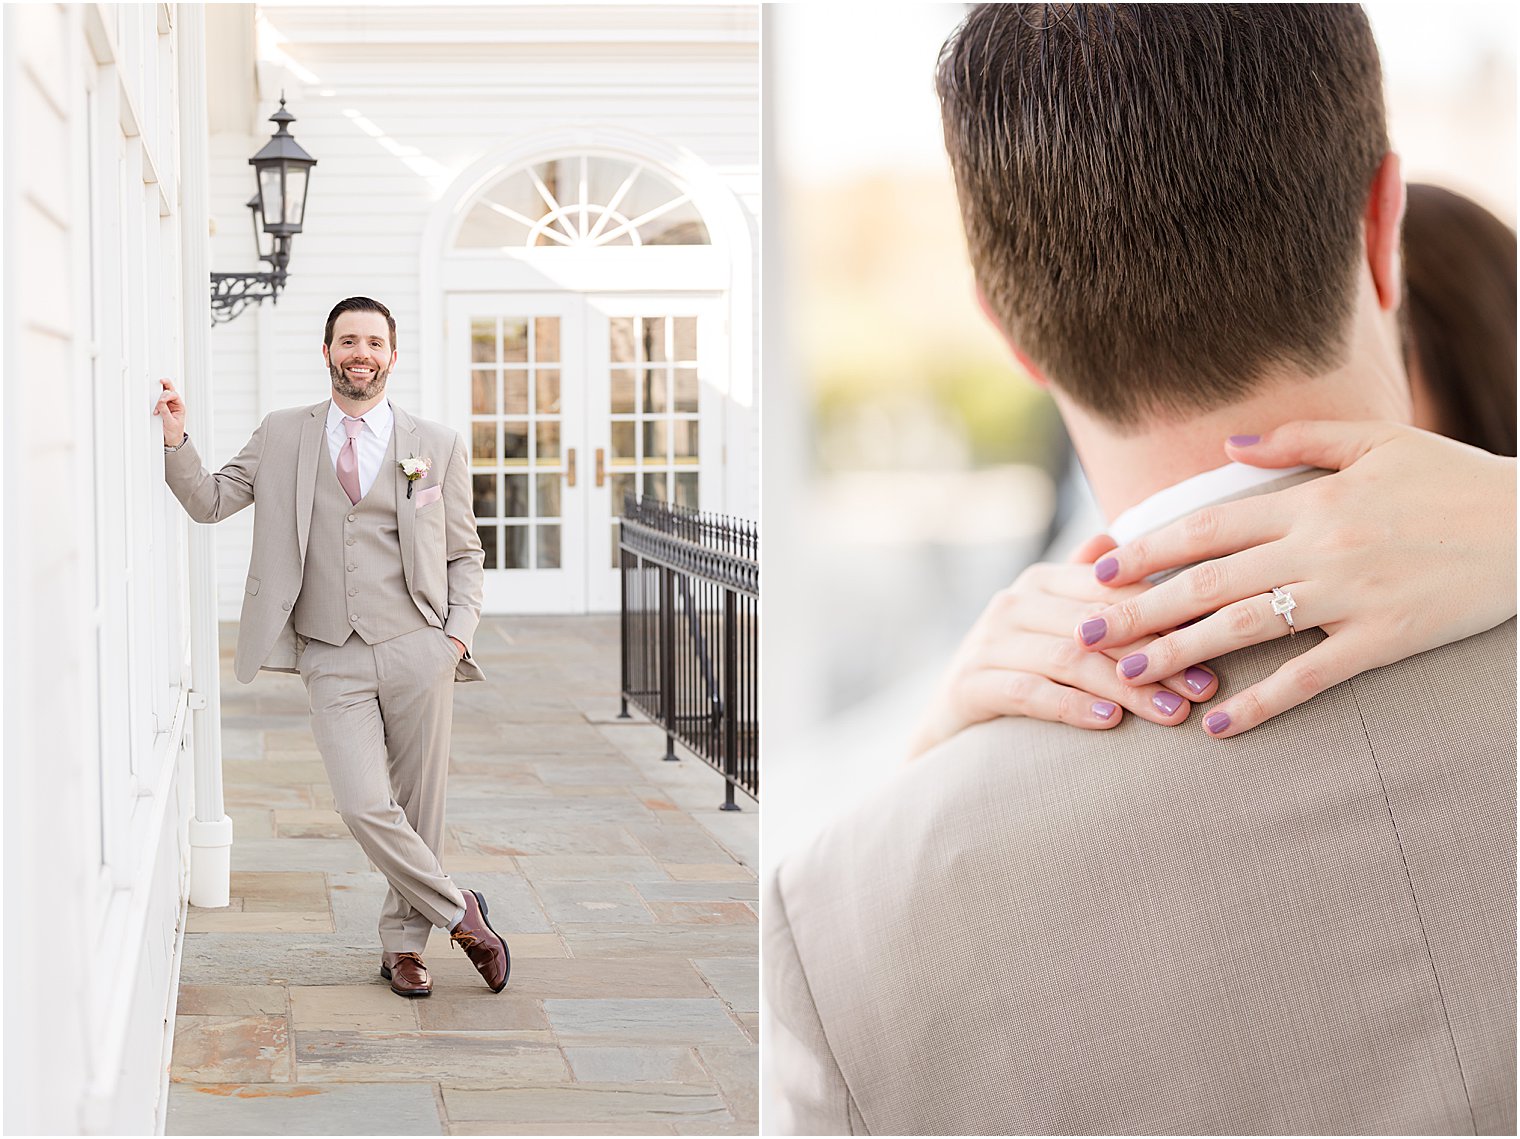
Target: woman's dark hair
<point>1459,289</point>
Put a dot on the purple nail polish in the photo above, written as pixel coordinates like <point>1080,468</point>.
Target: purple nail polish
<point>1107,569</point>
<point>1094,630</point>
<point>1168,702</point>
<point>1216,722</point>
<point>1244,440</point>
<point>1197,679</point>
<point>1104,710</point>
<point>1133,665</point>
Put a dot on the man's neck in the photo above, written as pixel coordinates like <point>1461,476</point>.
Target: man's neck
<point>356,408</point>
<point>1126,468</point>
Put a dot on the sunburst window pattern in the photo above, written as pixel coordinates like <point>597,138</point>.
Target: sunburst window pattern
<point>582,201</point>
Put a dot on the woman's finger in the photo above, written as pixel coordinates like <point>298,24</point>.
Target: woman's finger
<point>1007,692</point>
<point>1302,678</point>
<point>1090,550</point>
<point>1248,622</point>
<point>1329,444</point>
<point>1205,588</point>
<point>1212,532</point>
<point>1056,658</point>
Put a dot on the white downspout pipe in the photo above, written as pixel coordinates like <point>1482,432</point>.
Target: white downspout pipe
<point>210,829</point>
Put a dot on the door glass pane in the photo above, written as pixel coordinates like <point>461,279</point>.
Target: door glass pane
<point>617,555</point>
<point>517,496</point>
<point>654,485</point>
<point>514,341</point>
<point>483,444</point>
<point>514,444</point>
<point>548,495</point>
<point>548,547</point>
<point>488,540</point>
<point>515,547</point>
<point>651,338</point>
<point>654,441</point>
<point>485,495</point>
<point>546,339</point>
<point>622,486</point>
<point>684,335</point>
<point>686,389</point>
<point>483,391</point>
<point>514,391</point>
<point>622,442</point>
<point>547,394</point>
<point>683,440</point>
<point>548,442</point>
<point>686,488</point>
<point>483,341</point>
<point>623,391</point>
<point>620,340</point>
<point>656,384</point>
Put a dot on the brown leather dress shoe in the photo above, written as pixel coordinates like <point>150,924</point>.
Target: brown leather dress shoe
<point>487,950</point>
<point>407,974</point>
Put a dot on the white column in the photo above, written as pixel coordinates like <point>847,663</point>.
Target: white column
<point>210,829</point>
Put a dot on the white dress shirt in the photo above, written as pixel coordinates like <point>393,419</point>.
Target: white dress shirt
<point>1180,499</point>
<point>373,439</point>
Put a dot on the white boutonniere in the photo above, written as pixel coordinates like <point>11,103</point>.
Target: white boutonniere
<point>414,467</point>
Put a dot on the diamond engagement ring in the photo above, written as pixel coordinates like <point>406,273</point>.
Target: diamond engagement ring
<point>1283,605</point>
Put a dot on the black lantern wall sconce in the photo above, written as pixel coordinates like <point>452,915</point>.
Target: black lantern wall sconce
<point>283,169</point>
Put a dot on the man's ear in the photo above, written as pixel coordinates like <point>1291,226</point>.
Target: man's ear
<point>1034,374</point>
<point>1383,224</point>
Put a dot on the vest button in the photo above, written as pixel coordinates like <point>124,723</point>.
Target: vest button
<point>353,593</point>
<point>352,618</point>
<point>285,605</point>
<point>352,568</point>
<point>351,517</point>
<point>350,541</point>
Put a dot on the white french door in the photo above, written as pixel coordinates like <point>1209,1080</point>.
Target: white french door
<point>573,400</point>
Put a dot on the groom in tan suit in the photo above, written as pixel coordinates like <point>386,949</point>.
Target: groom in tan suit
<point>1186,220</point>
<point>365,578</point>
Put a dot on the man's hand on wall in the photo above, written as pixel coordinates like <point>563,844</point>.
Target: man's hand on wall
<point>171,409</point>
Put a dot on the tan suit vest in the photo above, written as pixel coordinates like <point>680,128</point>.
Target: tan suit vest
<point>352,580</point>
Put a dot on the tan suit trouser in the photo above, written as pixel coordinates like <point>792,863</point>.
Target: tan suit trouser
<point>381,715</point>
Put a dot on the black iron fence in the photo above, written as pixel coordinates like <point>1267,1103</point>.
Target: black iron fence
<point>691,633</point>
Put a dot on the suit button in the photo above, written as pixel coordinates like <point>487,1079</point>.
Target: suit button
<point>351,517</point>
<point>285,605</point>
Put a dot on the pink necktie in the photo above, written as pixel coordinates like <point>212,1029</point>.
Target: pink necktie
<point>348,460</point>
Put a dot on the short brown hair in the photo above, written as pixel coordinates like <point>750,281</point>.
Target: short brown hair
<point>1459,303</point>
<point>1163,201</point>
<point>358,304</point>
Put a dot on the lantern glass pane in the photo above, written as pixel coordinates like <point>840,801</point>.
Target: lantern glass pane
<point>271,190</point>
<point>295,195</point>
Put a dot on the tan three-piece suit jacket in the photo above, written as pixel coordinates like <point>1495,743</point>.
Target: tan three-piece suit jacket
<point>440,547</point>
<point>1309,928</point>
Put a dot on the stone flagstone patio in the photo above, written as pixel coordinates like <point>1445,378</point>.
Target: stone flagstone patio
<point>627,897</point>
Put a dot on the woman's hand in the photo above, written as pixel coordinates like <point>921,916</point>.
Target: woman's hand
<point>1019,660</point>
<point>1409,547</point>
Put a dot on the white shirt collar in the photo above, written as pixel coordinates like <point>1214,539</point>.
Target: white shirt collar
<point>380,418</point>
<point>1187,496</point>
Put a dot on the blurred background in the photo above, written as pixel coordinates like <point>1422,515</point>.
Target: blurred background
<point>910,471</point>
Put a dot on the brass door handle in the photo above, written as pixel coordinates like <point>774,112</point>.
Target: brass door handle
<point>570,467</point>
<point>601,466</point>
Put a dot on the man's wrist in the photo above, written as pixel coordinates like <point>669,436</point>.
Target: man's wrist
<point>183,439</point>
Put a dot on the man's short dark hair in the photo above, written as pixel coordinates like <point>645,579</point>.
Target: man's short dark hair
<point>1164,201</point>
<point>358,304</point>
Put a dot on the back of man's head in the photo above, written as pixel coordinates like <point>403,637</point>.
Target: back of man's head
<point>1163,202</point>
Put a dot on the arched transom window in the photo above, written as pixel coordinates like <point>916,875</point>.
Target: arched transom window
<point>582,201</point>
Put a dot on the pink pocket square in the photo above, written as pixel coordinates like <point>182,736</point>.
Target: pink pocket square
<point>431,494</point>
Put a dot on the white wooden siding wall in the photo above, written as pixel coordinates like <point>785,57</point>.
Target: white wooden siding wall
<point>444,87</point>
<point>95,795</point>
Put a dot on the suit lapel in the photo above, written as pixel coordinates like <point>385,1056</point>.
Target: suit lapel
<point>407,445</point>
<point>313,433</point>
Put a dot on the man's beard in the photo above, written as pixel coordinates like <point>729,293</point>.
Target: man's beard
<point>349,389</point>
